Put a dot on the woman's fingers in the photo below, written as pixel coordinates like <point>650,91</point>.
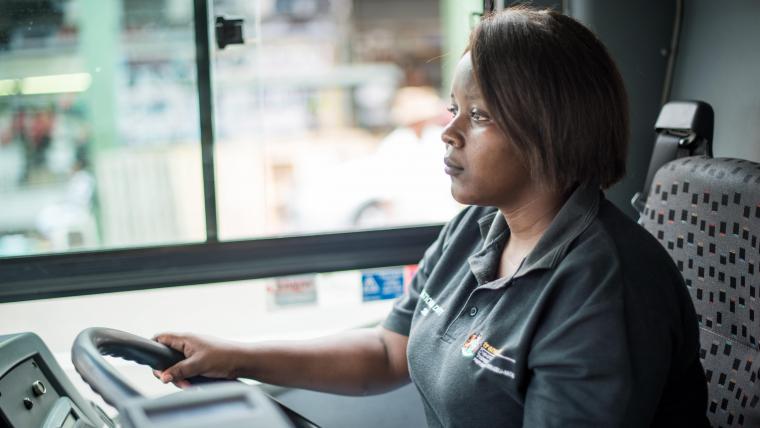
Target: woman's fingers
<point>203,356</point>
<point>182,384</point>
<point>180,371</point>
<point>178,383</point>
<point>177,373</point>
<point>172,340</point>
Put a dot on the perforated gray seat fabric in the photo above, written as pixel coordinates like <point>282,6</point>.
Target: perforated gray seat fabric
<point>706,212</point>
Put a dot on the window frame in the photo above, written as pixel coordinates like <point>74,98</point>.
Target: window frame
<point>105,271</point>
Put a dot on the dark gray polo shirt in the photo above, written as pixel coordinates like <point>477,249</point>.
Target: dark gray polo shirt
<point>595,329</point>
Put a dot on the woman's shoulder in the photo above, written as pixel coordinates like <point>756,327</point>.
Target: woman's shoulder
<point>632,243</point>
<point>616,244</point>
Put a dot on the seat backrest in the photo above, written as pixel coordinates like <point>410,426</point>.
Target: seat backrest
<point>706,213</point>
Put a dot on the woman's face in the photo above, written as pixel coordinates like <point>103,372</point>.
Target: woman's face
<point>484,166</point>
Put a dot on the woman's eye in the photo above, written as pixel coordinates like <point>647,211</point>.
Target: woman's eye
<point>478,116</point>
<point>453,110</point>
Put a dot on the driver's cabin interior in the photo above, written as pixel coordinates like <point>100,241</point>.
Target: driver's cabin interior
<point>262,170</point>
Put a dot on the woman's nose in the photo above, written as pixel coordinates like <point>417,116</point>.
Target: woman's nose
<point>450,136</point>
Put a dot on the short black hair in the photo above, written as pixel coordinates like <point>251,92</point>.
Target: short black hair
<point>556,93</point>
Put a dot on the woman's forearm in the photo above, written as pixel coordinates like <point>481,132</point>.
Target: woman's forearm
<point>357,362</point>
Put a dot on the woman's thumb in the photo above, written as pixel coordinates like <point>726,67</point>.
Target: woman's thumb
<point>180,371</point>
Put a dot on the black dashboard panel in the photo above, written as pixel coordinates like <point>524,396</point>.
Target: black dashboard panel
<point>34,391</point>
<point>27,394</point>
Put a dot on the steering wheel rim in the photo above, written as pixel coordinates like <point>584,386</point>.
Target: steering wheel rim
<point>93,343</point>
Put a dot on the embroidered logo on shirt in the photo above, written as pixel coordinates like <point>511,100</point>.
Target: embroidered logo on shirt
<point>487,356</point>
<point>431,305</point>
<point>471,345</point>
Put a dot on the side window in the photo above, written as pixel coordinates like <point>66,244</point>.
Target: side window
<point>329,118</point>
<point>136,154</point>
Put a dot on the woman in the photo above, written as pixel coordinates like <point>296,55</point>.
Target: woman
<point>539,305</point>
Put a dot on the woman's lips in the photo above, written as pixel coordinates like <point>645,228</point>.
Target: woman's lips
<point>451,168</point>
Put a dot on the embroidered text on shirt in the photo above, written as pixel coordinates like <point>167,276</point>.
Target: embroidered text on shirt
<point>431,304</point>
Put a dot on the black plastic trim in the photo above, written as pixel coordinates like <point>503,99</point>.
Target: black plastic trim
<point>81,273</point>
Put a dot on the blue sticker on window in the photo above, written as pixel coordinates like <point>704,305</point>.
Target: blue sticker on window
<point>380,284</point>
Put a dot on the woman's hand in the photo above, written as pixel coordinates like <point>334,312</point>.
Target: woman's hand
<point>204,356</point>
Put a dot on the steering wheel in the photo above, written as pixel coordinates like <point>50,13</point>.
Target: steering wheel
<point>93,343</point>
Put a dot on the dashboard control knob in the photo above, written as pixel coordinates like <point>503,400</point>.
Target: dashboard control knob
<point>28,403</point>
<point>38,388</point>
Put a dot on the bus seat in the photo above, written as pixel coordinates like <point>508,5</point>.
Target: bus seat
<point>706,213</point>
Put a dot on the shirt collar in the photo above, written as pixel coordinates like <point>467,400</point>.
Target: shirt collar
<point>484,264</point>
<point>572,219</point>
<point>490,226</point>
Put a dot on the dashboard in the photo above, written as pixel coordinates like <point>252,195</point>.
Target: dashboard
<point>35,392</point>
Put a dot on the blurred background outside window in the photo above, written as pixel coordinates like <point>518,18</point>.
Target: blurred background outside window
<point>337,102</point>
<point>328,118</point>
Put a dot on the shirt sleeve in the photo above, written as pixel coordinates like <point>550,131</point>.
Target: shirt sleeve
<point>580,366</point>
<point>399,320</point>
